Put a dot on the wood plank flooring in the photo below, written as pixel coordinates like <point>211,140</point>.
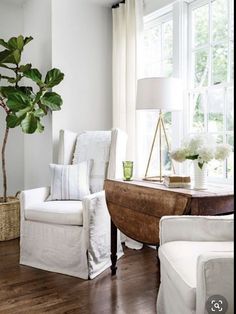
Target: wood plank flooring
<point>28,290</point>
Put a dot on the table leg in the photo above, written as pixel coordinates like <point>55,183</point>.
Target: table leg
<point>113,248</point>
<point>158,260</point>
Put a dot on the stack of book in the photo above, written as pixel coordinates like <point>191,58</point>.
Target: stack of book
<point>177,181</point>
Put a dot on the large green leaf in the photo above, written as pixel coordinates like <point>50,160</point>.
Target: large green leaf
<point>34,75</point>
<point>10,56</point>
<point>6,56</point>
<point>27,40</point>
<point>16,42</point>
<point>4,43</point>
<point>39,113</point>
<point>29,124</point>
<point>17,56</point>
<point>40,127</point>
<point>22,112</point>
<point>13,121</point>
<point>52,100</point>
<point>26,67</point>
<point>53,78</point>
<point>12,43</point>
<point>20,42</point>
<point>6,91</point>
<point>25,89</point>
<point>18,101</point>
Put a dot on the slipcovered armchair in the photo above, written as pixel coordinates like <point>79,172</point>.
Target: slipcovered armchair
<point>73,237</point>
<point>196,258</point>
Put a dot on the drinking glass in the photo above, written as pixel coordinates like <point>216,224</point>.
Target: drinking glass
<point>128,170</point>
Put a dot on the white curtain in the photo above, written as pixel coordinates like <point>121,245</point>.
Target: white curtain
<point>127,28</point>
<point>127,25</point>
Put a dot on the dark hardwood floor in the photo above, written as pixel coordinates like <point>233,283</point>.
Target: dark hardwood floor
<point>29,290</point>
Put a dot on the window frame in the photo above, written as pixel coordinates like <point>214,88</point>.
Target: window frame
<point>159,19</point>
<point>226,86</point>
<point>181,13</point>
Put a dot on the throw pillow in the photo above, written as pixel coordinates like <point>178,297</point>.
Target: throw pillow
<point>70,182</point>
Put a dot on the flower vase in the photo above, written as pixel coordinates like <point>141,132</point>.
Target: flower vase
<point>200,176</point>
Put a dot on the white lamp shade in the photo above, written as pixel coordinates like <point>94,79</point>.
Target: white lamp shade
<point>159,93</point>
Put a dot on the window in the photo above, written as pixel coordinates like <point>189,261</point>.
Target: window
<point>158,46</point>
<point>158,61</point>
<point>210,88</point>
<point>207,28</point>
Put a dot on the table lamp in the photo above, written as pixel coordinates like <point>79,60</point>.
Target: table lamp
<point>163,94</point>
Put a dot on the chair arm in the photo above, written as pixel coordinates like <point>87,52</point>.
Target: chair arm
<point>196,228</point>
<point>30,197</point>
<point>95,210</point>
<point>215,273</point>
<point>96,224</point>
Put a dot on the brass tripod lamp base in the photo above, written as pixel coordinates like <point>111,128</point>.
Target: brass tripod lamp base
<point>159,93</point>
<point>161,128</point>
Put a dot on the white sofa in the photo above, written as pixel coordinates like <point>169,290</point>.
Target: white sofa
<point>196,258</point>
<point>73,237</point>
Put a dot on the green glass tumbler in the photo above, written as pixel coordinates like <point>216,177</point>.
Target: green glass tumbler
<point>128,170</point>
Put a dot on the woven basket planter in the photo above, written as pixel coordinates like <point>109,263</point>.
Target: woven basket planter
<point>10,219</point>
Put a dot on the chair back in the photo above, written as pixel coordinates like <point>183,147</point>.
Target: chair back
<point>107,149</point>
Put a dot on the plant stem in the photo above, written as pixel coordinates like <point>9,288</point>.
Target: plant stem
<point>4,165</point>
<point>2,104</point>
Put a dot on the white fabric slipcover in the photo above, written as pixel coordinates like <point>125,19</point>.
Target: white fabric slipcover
<point>94,145</point>
<point>196,256</point>
<point>57,212</point>
<point>61,246</point>
<point>66,148</point>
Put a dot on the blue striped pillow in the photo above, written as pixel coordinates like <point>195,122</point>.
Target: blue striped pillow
<point>70,182</point>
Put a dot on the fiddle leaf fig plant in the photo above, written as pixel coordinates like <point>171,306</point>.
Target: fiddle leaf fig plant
<point>24,105</point>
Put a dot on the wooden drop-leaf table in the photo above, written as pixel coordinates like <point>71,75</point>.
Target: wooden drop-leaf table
<point>137,206</point>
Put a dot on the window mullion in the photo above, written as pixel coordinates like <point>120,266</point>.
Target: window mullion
<point>225,129</point>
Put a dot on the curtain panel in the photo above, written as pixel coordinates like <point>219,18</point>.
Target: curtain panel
<point>127,26</point>
<point>127,30</point>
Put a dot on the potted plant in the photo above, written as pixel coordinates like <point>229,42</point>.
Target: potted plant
<point>24,107</point>
<point>201,149</point>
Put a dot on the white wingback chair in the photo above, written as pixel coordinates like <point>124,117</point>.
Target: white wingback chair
<point>73,237</point>
<point>196,258</point>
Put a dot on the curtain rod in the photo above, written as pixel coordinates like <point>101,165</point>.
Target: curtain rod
<point>115,6</point>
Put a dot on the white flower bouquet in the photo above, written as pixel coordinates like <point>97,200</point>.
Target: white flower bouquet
<point>201,148</point>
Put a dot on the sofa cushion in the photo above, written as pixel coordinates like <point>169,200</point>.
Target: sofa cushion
<point>57,212</point>
<point>179,261</point>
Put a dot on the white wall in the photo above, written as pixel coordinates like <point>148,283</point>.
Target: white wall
<point>11,24</point>
<point>76,38</point>
<point>38,146</point>
<point>82,49</point>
